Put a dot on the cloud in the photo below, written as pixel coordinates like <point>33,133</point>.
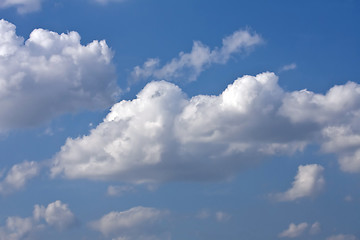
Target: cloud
<point>18,175</point>
<point>315,228</point>
<point>308,182</point>
<point>222,216</point>
<point>56,214</point>
<point>22,6</point>
<point>51,74</point>
<point>342,237</point>
<point>288,67</point>
<point>119,190</point>
<point>188,66</point>
<point>17,228</point>
<point>211,137</point>
<point>128,221</point>
<point>294,230</point>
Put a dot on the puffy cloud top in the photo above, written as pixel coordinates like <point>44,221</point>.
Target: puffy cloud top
<point>50,74</point>
<point>164,136</point>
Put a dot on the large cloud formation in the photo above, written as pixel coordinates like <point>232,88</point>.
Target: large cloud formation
<point>189,65</point>
<point>164,136</point>
<point>50,74</point>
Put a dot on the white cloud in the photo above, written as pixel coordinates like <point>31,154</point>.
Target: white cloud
<point>17,228</point>
<point>189,65</point>
<point>294,230</point>
<point>315,228</point>
<point>56,214</point>
<point>288,67</point>
<point>22,6</point>
<point>50,74</point>
<point>18,175</point>
<point>308,182</point>
<point>119,190</point>
<point>342,237</point>
<point>126,221</point>
<point>211,137</point>
<point>222,216</point>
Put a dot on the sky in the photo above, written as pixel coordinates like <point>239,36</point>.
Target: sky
<point>173,120</point>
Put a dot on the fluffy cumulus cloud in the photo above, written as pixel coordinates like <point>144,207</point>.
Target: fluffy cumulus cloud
<point>162,135</point>
<point>129,222</point>
<point>189,65</point>
<point>51,74</point>
<point>56,214</point>
<point>18,175</point>
<point>22,6</point>
<point>294,230</point>
<point>308,182</point>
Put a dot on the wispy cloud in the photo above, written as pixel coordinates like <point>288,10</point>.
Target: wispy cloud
<point>288,67</point>
<point>188,66</point>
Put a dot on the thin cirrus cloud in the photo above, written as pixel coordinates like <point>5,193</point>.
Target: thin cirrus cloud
<point>56,214</point>
<point>342,237</point>
<point>22,6</point>
<point>28,6</point>
<point>308,182</point>
<point>51,74</point>
<point>129,222</point>
<point>17,177</point>
<point>188,66</point>
<point>211,137</point>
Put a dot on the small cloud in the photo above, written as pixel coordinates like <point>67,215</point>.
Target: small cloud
<point>119,190</point>
<point>123,222</point>
<point>188,66</point>
<point>348,198</point>
<point>17,177</point>
<point>288,67</point>
<point>294,230</point>
<point>308,182</point>
<point>203,214</point>
<point>222,216</point>
<point>315,228</point>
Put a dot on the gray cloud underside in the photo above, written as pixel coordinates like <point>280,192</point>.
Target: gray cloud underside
<point>164,136</point>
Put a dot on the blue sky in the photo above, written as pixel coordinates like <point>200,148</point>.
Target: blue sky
<point>173,120</point>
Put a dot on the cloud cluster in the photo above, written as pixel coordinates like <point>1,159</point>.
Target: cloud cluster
<point>188,66</point>
<point>50,74</point>
<point>294,230</point>
<point>308,182</point>
<point>128,223</point>
<point>299,229</point>
<point>22,6</point>
<point>163,136</point>
<point>55,214</point>
<point>18,175</point>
